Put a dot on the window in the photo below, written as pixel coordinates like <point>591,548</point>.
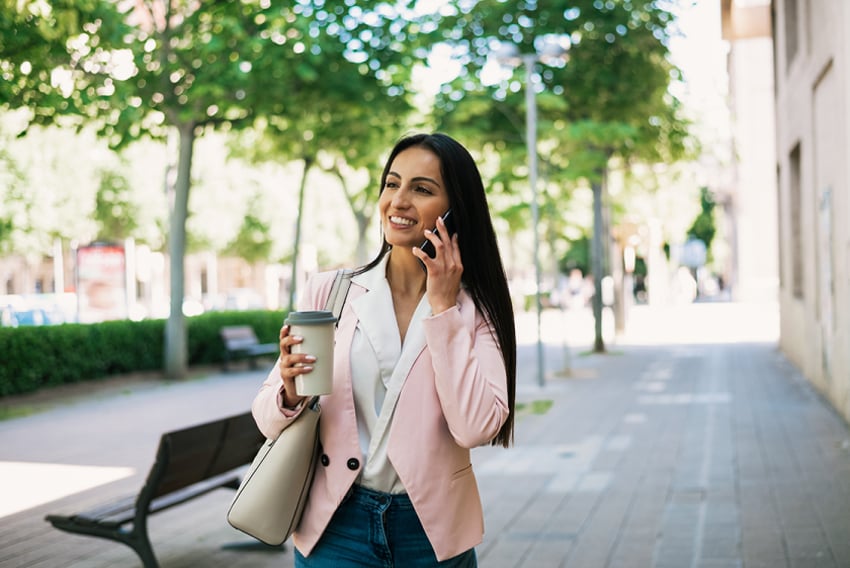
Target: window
<point>780,215</point>
<point>792,38</point>
<point>796,213</point>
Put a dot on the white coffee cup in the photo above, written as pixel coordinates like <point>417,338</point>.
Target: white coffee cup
<point>317,329</point>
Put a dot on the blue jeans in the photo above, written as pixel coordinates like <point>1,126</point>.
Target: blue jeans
<point>377,529</point>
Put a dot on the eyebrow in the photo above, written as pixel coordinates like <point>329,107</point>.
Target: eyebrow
<point>417,178</point>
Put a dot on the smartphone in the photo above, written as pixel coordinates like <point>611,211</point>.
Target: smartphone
<point>428,247</point>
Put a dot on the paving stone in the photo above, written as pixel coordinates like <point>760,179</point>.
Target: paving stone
<point>656,455</point>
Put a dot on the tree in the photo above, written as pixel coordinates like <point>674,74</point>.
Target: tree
<point>703,227</point>
<point>11,179</point>
<point>338,129</point>
<point>577,256</point>
<point>345,112</point>
<point>38,45</point>
<point>610,100</point>
<point>361,143</point>
<point>187,68</point>
<point>254,241</point>
<point>114,209</point>
<point>44,46</point>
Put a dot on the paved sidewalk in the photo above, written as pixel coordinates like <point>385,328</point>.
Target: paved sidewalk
<point>691,444</point>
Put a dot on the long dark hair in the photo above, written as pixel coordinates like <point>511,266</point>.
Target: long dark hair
<point>483,273</point>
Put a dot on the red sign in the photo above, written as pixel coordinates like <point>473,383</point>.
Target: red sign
<point>101,283</point>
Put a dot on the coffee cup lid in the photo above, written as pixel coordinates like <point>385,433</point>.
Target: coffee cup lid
<point>318,317</point>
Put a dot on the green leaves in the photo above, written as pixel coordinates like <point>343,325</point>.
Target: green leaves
<point>609,99</point>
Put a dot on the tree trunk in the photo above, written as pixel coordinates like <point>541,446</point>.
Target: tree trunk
<point>362,253</point>
<point>308,163</point>
<point>596,262</point>
<point>176,351</point>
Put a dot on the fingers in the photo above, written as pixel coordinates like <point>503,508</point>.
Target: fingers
<point>291,365</point>
<point>446,251</point>
<point>292,362</point>
<point>450,243</point>
<point>447,258</point>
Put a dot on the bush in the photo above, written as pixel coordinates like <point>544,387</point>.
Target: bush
<point>43,356</point>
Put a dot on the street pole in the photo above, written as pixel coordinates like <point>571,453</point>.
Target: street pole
<point>531,141</point>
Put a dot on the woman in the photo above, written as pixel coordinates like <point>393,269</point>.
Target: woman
<point>424,370</point>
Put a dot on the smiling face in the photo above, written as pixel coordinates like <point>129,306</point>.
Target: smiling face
<point>414,195</point>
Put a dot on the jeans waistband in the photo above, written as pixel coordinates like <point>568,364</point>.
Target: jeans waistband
<point>378,499</point>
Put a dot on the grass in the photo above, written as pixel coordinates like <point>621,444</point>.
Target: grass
<point>11,412</point>
<point>606,352</point>
<point>534,407</point>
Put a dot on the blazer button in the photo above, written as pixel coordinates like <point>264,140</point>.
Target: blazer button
<point>353,463</point>
<point>326,461</point>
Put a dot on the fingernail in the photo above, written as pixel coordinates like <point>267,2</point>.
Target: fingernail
<point>310,359</point>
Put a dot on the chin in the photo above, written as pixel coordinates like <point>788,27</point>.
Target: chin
<point>400,244</point>
<point>403,241</point>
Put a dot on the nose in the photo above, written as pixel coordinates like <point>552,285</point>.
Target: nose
<point>401,198</point>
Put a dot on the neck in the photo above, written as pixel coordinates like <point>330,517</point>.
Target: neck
<point>405,274</point>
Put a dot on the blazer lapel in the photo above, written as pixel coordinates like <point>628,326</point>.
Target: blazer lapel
<point>377,322</point>
<point>414,345</point>
<point>376,317</point>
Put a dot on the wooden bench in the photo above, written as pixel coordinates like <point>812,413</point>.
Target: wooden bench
<point>189,463</point>
<point>240,342</point>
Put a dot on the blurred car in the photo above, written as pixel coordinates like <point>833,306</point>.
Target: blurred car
<point>34,316</point>
<point>7,317</point>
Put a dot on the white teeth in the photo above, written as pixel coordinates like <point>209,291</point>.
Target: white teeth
<point>401,221</point>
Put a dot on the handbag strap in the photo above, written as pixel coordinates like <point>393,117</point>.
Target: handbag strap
<point>334,304</point>
<point>339,292</point>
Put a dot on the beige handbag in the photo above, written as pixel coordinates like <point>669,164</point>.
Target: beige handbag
<point>272,495</point>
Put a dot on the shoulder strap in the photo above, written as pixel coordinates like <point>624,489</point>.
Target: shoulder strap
<point>339,292</point>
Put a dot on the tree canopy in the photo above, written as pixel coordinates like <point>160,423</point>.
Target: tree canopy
<point>168,66</point>
<point>330,84</point>
<point>610,99</point>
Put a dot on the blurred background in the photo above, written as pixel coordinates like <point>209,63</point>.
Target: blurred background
<point>163,160</point>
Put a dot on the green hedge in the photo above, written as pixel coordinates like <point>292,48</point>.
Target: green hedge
<point>32,358</point>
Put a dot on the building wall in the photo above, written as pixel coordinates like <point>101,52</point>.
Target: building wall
<point>813,165</point>
<point>750,200</point>
<point>754,197</point>
<point>210,283</point>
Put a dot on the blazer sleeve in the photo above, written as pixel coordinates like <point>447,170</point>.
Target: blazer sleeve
<point>469,374</point>
<point>267,408</point>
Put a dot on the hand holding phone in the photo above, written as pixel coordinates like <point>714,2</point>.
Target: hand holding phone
<point>428,247</point>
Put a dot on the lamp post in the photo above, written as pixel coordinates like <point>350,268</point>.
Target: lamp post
<point>509,54</point>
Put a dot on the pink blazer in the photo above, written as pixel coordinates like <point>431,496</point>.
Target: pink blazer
<point>454,398</point>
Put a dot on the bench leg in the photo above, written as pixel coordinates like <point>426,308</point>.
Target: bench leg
<point>144,549</point>
<point>137,538</point>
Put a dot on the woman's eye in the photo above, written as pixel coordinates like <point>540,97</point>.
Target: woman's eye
<point>390,185</point>
<point>423,189</point>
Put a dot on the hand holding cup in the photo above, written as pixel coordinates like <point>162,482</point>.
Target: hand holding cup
<point>306,345</point>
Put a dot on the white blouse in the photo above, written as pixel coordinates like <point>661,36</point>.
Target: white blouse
<point>379,366</point>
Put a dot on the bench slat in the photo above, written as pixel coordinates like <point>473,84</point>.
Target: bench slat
<point>240,341</point>
<point>117,509</point>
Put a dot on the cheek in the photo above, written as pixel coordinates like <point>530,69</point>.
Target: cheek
<point>383,206</point>
<point>436,210</point>
<point>383,203</point>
